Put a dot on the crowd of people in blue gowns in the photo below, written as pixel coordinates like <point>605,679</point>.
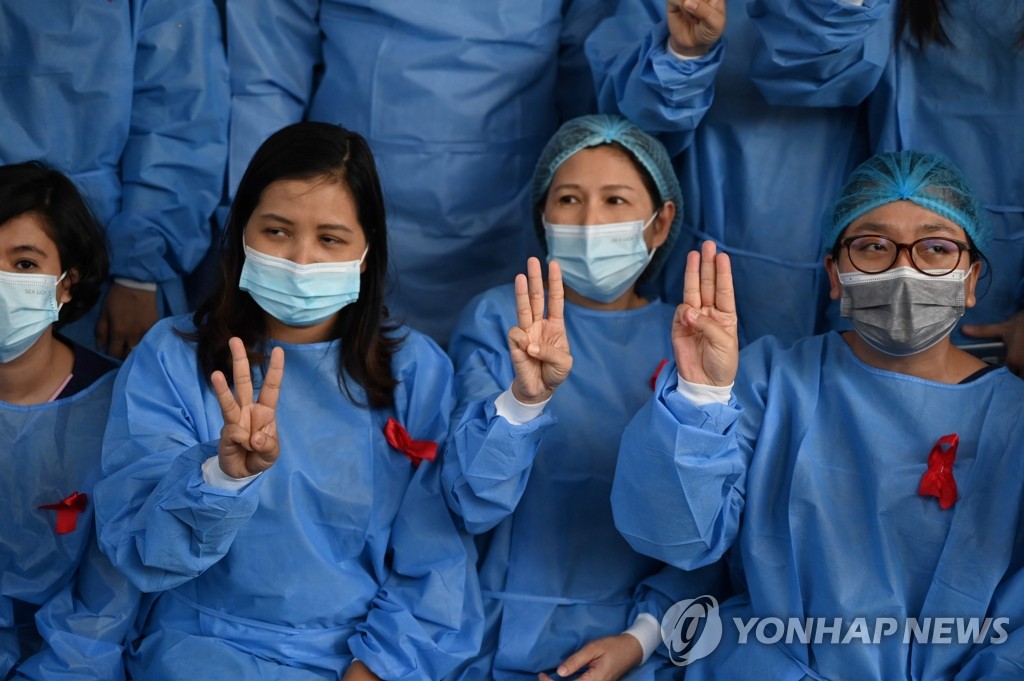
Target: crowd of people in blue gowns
<point>474,341</point>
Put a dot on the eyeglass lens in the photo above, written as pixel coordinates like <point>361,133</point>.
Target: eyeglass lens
<point>933,255</point>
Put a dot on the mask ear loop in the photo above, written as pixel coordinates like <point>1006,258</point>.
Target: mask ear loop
<point>57,283</point>
<point>650,254</point>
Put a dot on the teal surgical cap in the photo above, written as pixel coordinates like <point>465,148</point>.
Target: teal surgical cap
<point>592,131</point>
<point>929,180</point>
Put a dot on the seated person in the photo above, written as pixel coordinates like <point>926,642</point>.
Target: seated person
<point>64,609</point>
<point>873,476</point>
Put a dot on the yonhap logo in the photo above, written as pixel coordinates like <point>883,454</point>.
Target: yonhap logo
<point>691,629</point>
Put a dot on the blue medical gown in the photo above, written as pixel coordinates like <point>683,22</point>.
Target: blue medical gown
<point>554,571</point>
<point>965,101</point>
<point>810,475</point>
<point>342,550</point>
<point>85,606</point>
<point>455,97</point>
<point>756,178</point>
<point>130,100</point>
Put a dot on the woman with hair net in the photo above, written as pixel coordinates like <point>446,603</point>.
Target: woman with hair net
<point>866,485</point>
<point>562,590</point>
<point>937,76</point>
<point>64,609</point>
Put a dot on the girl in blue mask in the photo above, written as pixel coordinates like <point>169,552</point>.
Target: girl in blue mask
<point>865,485</point>
<point>563,593</point>
<point>272,479</point>
<point>63,607</point>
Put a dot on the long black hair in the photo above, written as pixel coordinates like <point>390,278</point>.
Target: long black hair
<point>306,151</point>
<point>34,188</point>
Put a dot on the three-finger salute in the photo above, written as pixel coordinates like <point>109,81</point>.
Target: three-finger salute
<point>704,329</point>
<point>538,345</point>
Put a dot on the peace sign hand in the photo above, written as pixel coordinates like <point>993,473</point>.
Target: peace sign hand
<point>538,346</point>
<point>704,329</point>
<point>248,441</point>
<point>694,25</point>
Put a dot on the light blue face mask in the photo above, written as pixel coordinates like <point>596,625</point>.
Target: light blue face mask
<point>28,306</point>
<point>299,295</point>
<point>599,262</point>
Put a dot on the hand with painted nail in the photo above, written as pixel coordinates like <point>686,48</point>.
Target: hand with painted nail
<point>537,344</point>
<point>248,441</point>
<point>704,329</point>
<point>694,25</point>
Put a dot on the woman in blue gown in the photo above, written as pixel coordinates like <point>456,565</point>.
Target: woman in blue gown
<point>288,524</point>
<point>872,475</point>
<point>560,585</point>
<point>64,609</point>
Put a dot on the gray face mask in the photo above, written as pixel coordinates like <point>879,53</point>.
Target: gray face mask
<point>902,311</point>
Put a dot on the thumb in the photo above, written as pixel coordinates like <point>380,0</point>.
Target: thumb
<point>984,330</point>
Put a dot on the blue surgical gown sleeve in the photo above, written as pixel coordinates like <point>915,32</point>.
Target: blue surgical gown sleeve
<point>86,625</point>
<point>158,520</point>
<point>687,463</point>
<point>10,650</point>
<point>637,77</point>
<point>820,52</point>
<point>489,460</point>
<point>575,91</point>
<point>427,616</point>
<point>172,166</point>
<point>272,71</point>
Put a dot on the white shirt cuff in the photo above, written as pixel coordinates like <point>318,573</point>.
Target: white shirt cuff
<point>699,394</point>
<point>137,285</point>
<point>858,3</point>
<point>647,631</point>
<point>668,48</point>
<point>215,477</point>
<point>514,411</point>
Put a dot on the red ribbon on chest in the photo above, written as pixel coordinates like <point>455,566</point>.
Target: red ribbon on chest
<point>938,480</point>
<point>416,450</point>
<point>654,378</point>
<point>67,510</point>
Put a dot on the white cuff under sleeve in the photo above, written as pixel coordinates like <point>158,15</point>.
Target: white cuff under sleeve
<point>137,285</point>
<point>514,411</point>
<point>647,631</point>
<point>668,48</point>
<point>215,477</point>
<point>699,394</point>
<point>858,3</point>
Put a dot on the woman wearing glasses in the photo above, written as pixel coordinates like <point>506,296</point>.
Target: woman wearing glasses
<point>868,484</point>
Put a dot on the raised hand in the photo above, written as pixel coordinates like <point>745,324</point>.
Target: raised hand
<point>606,659</point>
<point>538,346</point>
<point>694,25</point>
<point>704,334</point>
<point>248,441</point>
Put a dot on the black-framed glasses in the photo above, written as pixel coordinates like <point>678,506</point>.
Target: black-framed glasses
<point>934,256</point>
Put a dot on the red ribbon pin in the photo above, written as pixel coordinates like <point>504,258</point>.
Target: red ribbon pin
<point>416,450</point>
<point>67,510</point>
<point>654,378</point>
<point>938,480</point>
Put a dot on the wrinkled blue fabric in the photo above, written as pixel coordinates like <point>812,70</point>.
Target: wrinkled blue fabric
<point>554,571</point>
<point>809,480</point>
<point>130,100</point>
<point>964,101</point>
<point>342,550</point>
<point>756,178</point>
<point>455,97</point>
<point>85,607</point>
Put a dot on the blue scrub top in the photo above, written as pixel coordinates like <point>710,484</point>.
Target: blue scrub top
<point>342,550</point>
<point>455,97</point>
<point>554,571</point>
<point>756,177</point>
<point>965,101</point>
<point>810,477</point>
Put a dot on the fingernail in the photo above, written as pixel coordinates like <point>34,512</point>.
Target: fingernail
<point>259,438</point>
<point>533,348</point>
<point>562,671</point>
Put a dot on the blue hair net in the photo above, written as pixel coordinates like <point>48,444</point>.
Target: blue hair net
<point>929,180</point>
<point>597,129</point>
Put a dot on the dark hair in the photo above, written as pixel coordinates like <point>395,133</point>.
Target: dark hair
<point>924,20</point>
<point>306,151</point>
<point>645,177</point>
<point>37,189</point>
